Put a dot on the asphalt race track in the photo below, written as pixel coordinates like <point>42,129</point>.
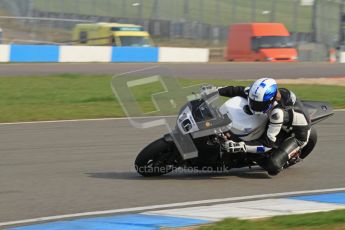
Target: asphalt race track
<point>71,167</point>
<point>221,70</point>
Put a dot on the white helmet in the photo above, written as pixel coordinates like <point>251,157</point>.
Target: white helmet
<point>261,95</point>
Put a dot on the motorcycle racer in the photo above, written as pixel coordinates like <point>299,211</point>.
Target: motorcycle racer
<point>284,111</point>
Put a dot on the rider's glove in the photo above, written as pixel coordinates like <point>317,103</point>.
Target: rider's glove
<point>234,147</point>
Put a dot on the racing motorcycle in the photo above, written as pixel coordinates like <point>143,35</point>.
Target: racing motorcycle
<point>204,124</point>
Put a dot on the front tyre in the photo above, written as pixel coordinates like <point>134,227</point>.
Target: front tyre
<point>156,159</point>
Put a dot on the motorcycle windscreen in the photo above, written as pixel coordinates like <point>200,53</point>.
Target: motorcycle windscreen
<point>184,144</point>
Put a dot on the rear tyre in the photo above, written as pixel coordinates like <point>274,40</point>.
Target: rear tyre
<point>310,145</point>
<point>156,159</point>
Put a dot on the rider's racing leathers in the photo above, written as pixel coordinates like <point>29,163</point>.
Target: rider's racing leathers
<point>287,113</point>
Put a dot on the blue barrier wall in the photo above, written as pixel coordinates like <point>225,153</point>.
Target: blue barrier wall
<point>134,54</point>
<point>34,53</point>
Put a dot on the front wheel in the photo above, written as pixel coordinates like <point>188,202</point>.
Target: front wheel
<point>156,159</point>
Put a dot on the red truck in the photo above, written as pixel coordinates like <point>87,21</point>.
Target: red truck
<point>260,42</point>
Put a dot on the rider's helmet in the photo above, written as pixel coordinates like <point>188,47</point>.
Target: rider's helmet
<point>261,95</point>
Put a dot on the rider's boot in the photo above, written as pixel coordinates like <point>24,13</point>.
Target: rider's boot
<point>279,157</point>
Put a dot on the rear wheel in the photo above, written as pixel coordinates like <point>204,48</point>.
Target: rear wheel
<point>310,145</point>
<point>156,159</point>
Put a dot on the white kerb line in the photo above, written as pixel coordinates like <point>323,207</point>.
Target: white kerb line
<point>163,206</point>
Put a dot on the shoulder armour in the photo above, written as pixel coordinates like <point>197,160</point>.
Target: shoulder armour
<point>288,97</point>
<point>277,116</point>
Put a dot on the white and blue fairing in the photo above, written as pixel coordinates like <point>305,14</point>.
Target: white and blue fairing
<point>247,127</point>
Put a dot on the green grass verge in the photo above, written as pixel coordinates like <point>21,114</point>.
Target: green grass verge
<point>84,96</point>
<point>313,221</point>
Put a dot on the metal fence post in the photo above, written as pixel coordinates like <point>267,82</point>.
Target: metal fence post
<point>218,13</point>
<point>109,9</point>
<point>78,7</point>
<point>201,10</point>
<point>273,10</point>
<point>140,9</point>
<point>155,10</point>
<point>186,10</point>
<point>233,11</point>
<point>124,8</point>
<point>75,5</point>
<point>52,23</point>
<point>94,6</point>
<point>295,19</point>
<point>313,21</point>
<point>341,23</point>
<point>45,11</point>
<point>30,8</point>
<point>91,9</point>
<point>34,23</point>
<point>253,10</point>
